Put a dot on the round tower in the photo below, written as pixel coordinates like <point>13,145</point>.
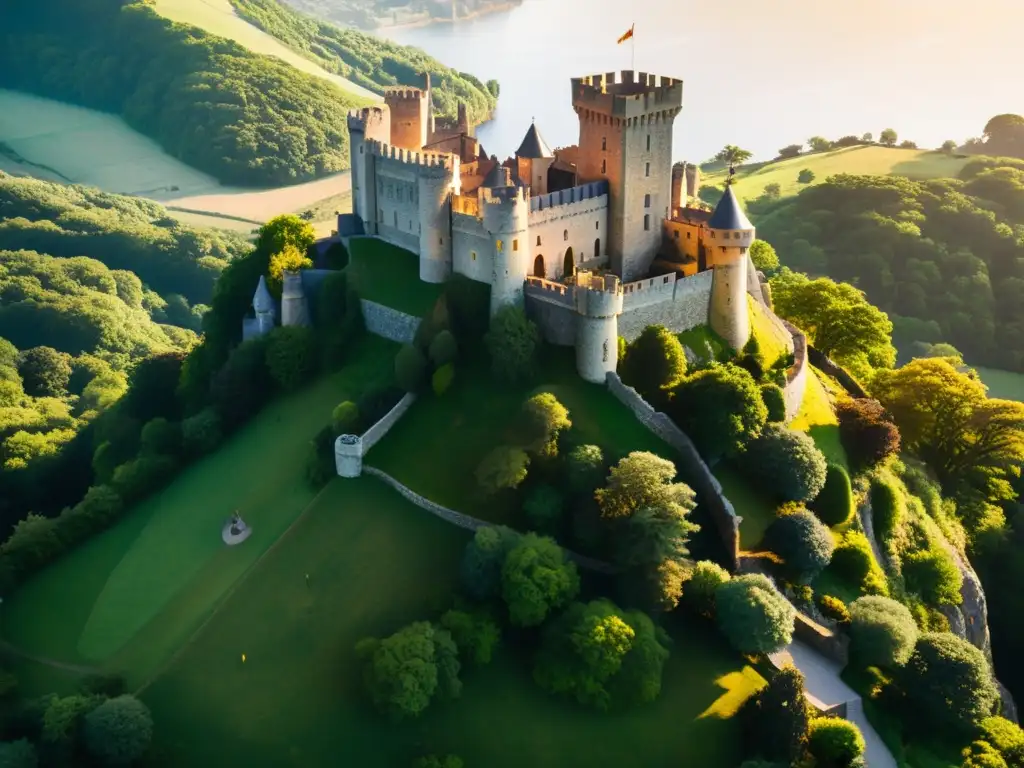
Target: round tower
<point>730,235</point>
<point>293,300</point>
<point>263,306</point>
<point>436,180</point>
<point>598,306</point>
<point>506,215</point>
<point>348,455</point>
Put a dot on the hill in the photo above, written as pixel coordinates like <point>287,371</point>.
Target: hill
<point>866,160</point>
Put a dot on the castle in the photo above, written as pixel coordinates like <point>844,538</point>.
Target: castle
<point>595,240</point>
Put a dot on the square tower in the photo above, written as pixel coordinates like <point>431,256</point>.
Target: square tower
<point>626,138</point>
<point>410,113</point>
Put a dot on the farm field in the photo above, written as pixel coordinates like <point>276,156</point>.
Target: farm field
<point>127,599</point>
<point>375,563</point>
<point>869,160</point>
<point>1004,385</point>
<point>218,17</point>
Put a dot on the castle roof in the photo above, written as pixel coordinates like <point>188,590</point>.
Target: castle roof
<point>498,176</point>
<point>262,301</point>
<point>728,213</point>
<point>533,145</point>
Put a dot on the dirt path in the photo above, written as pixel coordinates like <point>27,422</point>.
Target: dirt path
<point>77,669</point>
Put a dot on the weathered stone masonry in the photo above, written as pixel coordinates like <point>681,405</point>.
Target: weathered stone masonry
<point>389,323</point>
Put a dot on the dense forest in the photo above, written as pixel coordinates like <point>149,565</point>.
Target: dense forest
<point>371,61</point>
<point>246,119</point>
<point>91,284</point>
<point>944,258</point>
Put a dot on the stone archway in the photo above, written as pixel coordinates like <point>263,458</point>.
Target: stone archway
<point>568,263</point>
<point>538,266</point>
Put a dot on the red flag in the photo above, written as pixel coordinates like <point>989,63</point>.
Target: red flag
<point>626,36</point>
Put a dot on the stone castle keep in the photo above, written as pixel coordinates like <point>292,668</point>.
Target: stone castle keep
<point>595,240</point>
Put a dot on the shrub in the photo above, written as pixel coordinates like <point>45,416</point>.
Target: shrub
<point>854,563</point>
<point>443,349</point>
<point>513,342</point>
<point>109,684</point>
<point>160,436</point>
<point>291,356</point>
<point>442,379</point>
<point>753,615</point>
<point>336,256</point>
<point>476,635</point>
<point>586,469</point>
<point>776,718</point>
<point>201,433</point>
<point>981,754</point>
<point>439,761</point>
<point>787,463</point>
<point>320,462</point>
<point>887,506</point>
<point>933,575</point>
<point>834,742</point>
<point>44,371</point>
<point>700,588</point>
<point>345,418</point>
<point>806,176</point>
<point>947,681</point>
<point>655,362</point>
<point>764,257</point>
<point>775,401</point>
<point>410,368</point>
<point>544,419</point>
<point>18,754</point>
<point>882,632</point>
<point>834,504</point>
<point>33,543</point>
<point>543,507</point>
<point>802,541</point>
<point>375,404</point>
<point>482,560</point>
<point>469,307</point>
<point>536,579</point>
<point>139,477</point>
<point>119,730</point>
<point>1007,737</point>
<point>835,609</point>
<point>867,432</point>
<point>504,467</point>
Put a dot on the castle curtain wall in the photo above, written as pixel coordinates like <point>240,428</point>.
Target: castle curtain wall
<point>398,215</point>
<point>472,248</point>
<point>586,222</point>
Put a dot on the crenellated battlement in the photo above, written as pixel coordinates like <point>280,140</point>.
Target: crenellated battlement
<point>440,160</point>
<point>367,117</point>
<point>626,95</point>
<point>598,296</point>
<point>503,195</point>
<point>404,93</point>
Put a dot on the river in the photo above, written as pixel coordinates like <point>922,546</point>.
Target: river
<point>758,74</point>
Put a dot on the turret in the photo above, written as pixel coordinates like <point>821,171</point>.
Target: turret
<point>533,160</point>
<point>436,180</point>
<point>293,300</point>
<point>410,108</point>
<point>263,306</point>
<point>371,124</point>
<point>598,306</point>
<point>730,235</point>
<point>506,213</point>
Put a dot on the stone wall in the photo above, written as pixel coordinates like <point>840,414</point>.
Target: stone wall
<point>682,308</point>
<point>830,644</point>
<point>796,376</point>
<point>389,323</point>
<point>850,384</point>
<point>555,318</point>
<point>705,484</point>
<point>374,434</point>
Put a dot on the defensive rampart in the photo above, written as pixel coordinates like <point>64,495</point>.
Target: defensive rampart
<point>796,377</point>
<point>389,323</point>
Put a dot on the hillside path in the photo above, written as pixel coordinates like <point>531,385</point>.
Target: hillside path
<point>78,669</point>
<point>826,689</point>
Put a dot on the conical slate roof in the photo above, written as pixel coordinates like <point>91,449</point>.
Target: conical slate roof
<point>728,213</point>
<point>533,145</point>
<point>262,301</point>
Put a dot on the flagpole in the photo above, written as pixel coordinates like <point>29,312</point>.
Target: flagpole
<point>632,42</point>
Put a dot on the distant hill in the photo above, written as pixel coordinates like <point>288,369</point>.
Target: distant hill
<point>865,160</point>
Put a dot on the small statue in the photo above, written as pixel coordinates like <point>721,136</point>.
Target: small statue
<point>237,525</point>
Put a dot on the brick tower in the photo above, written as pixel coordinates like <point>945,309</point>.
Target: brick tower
<point>626,138</point>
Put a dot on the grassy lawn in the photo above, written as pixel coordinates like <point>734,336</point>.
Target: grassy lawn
<point>438,444</point>
<point>375,563</point>
<point>774,341</point>
<point>873,161</point>
<point>127,598</point>
<point>1004,385</point>
<point>757,511</point>
<point>817,417</point>
<point>390,275</point>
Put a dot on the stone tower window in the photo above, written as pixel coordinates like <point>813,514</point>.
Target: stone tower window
<point>472,255</point>
<point>440,241</point>
<point>538,240</point>
<point>597,224</point>
<point>647,201</point>
<point>688,235</point>
<point>675,234</point>
<point>604,143</point>
<point>604,166</point>
<point>647,221</point>
<point>515,245</point>
<point>396,218</point>
<point>565,235</point>
<point>499,245</point>
<point>648,142</point>
<point>647,171</point>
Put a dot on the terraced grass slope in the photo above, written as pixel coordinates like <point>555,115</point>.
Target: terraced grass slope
<point>868,160</point>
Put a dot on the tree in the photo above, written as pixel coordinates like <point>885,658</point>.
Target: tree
<point>834,505</point>
<point>819,144</point>
<point>834,742</point>
<point>837,318</point>
<point>641,480</point>
<point>764,257</point>
<point>774,401</point>
<point>475,633</point>
<point>585,469</point>
<point>601,656</point>
<point>701,586</point>
<point>44,371</point>
<point>410,368</point>
<point>480,570</point>
<point>1007,737</point>
<point>655,362</point>
<point>791,150</point>
<point>443,348</point>
<point>544,508</point>
<point>201,433</point>
<point>947,681</point>
<point>907,144</point>
<point>345,417</point>
<point>18,754</point>
<point>1004,134</point>
<point>753,615</point>
<point>153,387</point>
<point>787,463</point>
<point>504,467</point>
<point>544,419</point>
<point>288,259</point>
<point>933,575</point>
<point>291,356</point>
<point>160,436</point>
<point>439,761</point>
<point>981,754</point>
<point>867,138</point>
<point>867,432</point>
<point>882,632</point>
<point>513,342</point>
<point>119,730</point>
<point>733,155</point>
<point>802,541</point>
<point>403,673</point>
<point>772,191</point>
<point>243,383</point>
<point>720,408</point>
<point>944,416</point>
<point>650,549</point>
<point>888,137</point>
<point>536,579</point>
<point>775,720</point>
<point>949,146</point>
<point>806,176</point>
<point>284,231</point>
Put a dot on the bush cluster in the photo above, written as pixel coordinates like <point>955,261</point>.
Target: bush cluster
<point>786,463</point>
<point>802,541</point>
<point>882,632</point>
<point>834,505</point>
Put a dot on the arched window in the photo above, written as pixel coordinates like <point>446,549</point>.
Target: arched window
<point>597,248</point>
<point>565,235</point>
<point>604,166</point>
<point>647,221</point>
<point>648,142</point>
<point>568,263</point>
<point>538,266</point>
<point>647,201</point>
<point>538,241</point>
